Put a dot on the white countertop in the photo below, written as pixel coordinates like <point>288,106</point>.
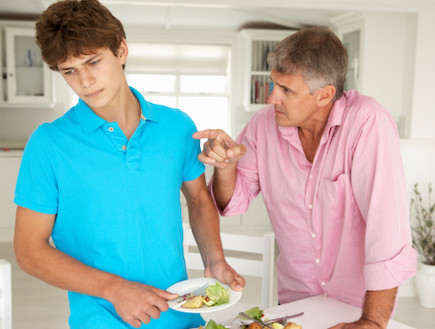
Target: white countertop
<point>324,312</point>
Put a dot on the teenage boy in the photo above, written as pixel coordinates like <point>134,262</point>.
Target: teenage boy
<point>104,182</point>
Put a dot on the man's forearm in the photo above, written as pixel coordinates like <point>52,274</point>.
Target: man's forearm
<point>224,183</point>
<point>378,306</point>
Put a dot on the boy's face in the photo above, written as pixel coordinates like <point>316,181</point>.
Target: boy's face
<point>96,78</point>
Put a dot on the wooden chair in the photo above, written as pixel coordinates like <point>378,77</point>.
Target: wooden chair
<point>5,295</point>
<point>242,250</point>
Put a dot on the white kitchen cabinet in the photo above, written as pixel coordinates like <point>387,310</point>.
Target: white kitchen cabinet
<point>257,44</point>
<point>9,167</point>
<point>26,79</point>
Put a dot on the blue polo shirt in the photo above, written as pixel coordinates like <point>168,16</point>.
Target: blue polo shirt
<point>117,201</point>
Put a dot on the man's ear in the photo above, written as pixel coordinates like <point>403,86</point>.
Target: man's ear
<point>325,95</point>
<point>123,51</point>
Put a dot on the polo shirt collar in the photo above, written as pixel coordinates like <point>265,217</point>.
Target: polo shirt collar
<point>90,121</point>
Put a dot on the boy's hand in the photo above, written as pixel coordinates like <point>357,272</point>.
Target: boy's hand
<point>220,150</point>
<point>225,274</point>
<point>137,303</point>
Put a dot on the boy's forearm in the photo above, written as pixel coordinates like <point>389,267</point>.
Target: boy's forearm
<point>63,271</point>
<point>204,221</point>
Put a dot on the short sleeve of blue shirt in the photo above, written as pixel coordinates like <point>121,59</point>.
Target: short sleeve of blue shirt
<point>192,167</point>
<point>36,187</point>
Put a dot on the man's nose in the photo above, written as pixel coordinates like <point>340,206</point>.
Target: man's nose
<point>273,97</point>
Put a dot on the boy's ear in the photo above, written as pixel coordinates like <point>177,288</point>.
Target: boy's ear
<point>123,51</point>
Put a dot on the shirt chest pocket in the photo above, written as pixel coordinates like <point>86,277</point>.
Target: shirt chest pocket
<point>333,198</point>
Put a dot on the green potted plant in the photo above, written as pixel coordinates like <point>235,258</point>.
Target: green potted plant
<point>423,240</point>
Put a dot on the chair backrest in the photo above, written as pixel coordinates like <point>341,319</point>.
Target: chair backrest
<point>243,253</point>
<point>5,295</point>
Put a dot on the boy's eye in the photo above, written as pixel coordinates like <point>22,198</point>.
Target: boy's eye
<point>94,62</point>
<point>67,72</point>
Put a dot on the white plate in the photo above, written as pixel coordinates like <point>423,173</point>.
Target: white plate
<point>186,286</point>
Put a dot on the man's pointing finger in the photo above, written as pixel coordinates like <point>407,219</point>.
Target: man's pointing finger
<point>208,133</point>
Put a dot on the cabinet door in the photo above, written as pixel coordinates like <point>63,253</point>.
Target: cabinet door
<point>9,167</point>
<point>258,44</point>
<point>28,79</point>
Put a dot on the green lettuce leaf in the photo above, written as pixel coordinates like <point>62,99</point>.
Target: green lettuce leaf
<point>217,295</point>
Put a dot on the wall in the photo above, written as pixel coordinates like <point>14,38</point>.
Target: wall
<point>423,108</point>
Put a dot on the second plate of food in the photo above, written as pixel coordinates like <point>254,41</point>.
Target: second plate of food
<point>190,285</point>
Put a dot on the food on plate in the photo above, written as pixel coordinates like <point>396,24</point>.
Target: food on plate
<point>292,325</point>
<point>195,302</point>
<point>214,295</point>
<point>275,325</point>
<point>212,325</point>
<point>257,314</point>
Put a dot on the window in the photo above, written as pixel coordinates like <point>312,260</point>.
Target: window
<point>202,97</point>
<point>193,78</point>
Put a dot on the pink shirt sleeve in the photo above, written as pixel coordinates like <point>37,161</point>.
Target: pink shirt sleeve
<point>378,184</point>
<point>247,183</point>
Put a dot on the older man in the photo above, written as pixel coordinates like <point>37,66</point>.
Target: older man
<point>328,164</point>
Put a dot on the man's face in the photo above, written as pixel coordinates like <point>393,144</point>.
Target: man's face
<point>294,104</point>
<point>96,78</point>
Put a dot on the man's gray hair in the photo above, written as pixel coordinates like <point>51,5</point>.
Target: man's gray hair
<point>317,54</point>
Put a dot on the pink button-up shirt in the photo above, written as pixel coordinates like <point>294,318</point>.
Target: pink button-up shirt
<point>341,222</point>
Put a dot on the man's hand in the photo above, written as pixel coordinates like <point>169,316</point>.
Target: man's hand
<point>360,324</point>
<point>137,303</point>
<point>225,274</point>
<point>377,309</point>
<point>220,150</point>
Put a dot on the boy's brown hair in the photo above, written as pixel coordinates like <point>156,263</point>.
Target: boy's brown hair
<point>71,28</point>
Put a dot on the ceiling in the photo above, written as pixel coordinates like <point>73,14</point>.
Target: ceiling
<point>224,14</point>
